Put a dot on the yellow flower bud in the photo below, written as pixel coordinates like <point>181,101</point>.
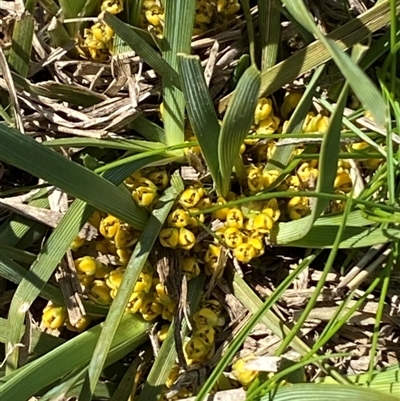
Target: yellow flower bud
<point>144,282</point>
<point>191,196</point>
<point>163,332</point>
<point>186,239</point>
<point>233,237</point>
<point>207,317</point>
<point>212,258</point>
<point>343,181</point>
<point>173,376</point>
<point>244,253</point>
<point>269,177</point>
<point>257,245</point>
<point>242,148</point>
<point>124,254</point>
<point>243,376</point>
<point>77,243</point>
<point>178,218</point>
<point>206,334</point>
<point>132,181</point>
<point>190,268</point>
<point>234,218</point>
<point>86,265</point>
<point>169,237</point>
<point>115,277</point>
<point>268,126</point>
<point>228,7</point>
<point>109,226</point>
<point>255,179</point>
<point>162,296</point>
<point>54,316</point>
<point>196,350</point>
<point>160,179</point>
<point>290,102</point>
<point>100,293</point>
<point>263,109</point>
<point>112,6</point>
<point>221,213</point>
<point>263,223</point>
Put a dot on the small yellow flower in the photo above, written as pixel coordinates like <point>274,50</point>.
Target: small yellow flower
<point>169,237</point>
<point>234,218</point>
<point>155,16</point>
<point>160,179</point>
<point>132,181</point>
<point>263,109</point>
<point>135,302</point>
<point>228,7</point>
<point>343,181</point>
<point>144,282</point>
<point>263,223</point>
<point>318,123</point>
<point>144,196</point>
<point>290,102</point>
<point>186,239</point>
<point>298,207</point>
<point>54,316</point>
<point>206,334</point>
<point>191,196</point>
<point>212,256</point>
<point>86,265</point>
<point>150,309</point>
<point>163,332</point>
<point>112,6</point>
<point>178,218</point>
<point>269,177</point>
<point>77,243</point>
<point>196,350</point>
<point>257,245</point>
<point>125,236</point>
<point>244,253</point>
<point>233,237</point>
<point>124,254</point>
<point>271,208</point>
<point>102,32</point>
<point>206,316</point>
<point>243,376</point>
<point>100,293</point>
<point>162,296</point>
<point>190,268</point>
<point>268,126</point>
<point>82,324</point>
<point>255,179</point>
<point>115,277</point>
<point>221,213</point>
<point>109,227</point>
<point>307,173</point>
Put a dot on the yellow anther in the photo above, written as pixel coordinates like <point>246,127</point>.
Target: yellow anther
<point>54,316</point>
<point>86,265</point>
<point>160,179</point>
<point>255,179</point>
<point>169,237</point>
<point>221,213</point>
<point>233,237</point>
<point>109,226</point>
<point>178,218</point>
<point>100,293</point>
<point>112,6</point>
<point>263,109</point>
<point>244,253</point>
<point>243,375</point>
<point>191,196</point>
<point>263,223</point>
<point>190,268</point>
<point>186,239</point>
<point>234,218</point>
<point>298,207</point>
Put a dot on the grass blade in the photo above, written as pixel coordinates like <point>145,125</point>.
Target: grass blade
<point>30,379</point>
<point>236,124</point>
<point>117,309</point>
<point>24,152</point>
<point>362,86</point>
<point>21,47</point>
<point>250,30</point>
<point>269,20</point>
<point>201,111</point>
<point>179,21</point>
<point>142,48</point>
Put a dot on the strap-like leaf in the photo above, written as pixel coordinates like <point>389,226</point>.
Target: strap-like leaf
<point>236,124</point>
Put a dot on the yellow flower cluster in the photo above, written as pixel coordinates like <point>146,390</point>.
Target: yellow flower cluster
<point>208,13</point>
<point>98,39</point>
<point>207,321</point>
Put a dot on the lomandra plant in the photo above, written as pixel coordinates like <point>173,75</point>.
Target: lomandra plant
<point>135,205</point>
